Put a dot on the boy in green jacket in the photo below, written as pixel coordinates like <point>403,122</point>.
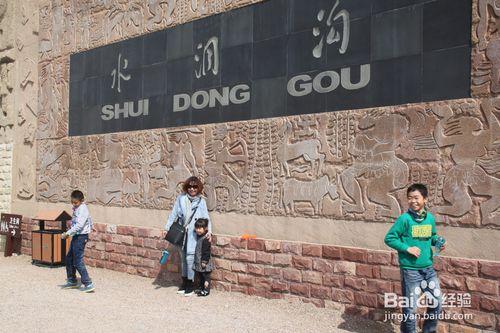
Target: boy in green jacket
<point>413,235</point>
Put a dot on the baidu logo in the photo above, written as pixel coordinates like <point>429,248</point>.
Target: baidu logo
<point>431,293</point>
<point>427,294</point>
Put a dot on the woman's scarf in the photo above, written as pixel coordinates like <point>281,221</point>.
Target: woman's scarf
<point>191,205</point>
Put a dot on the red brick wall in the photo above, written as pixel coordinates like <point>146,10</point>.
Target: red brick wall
<point>320,274</point>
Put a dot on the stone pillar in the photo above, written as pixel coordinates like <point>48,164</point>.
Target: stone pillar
<point>18,101</point>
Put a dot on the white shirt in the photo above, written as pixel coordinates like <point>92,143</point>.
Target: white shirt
<point>81,223</point>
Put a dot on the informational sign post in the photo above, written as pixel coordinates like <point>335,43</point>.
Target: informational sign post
<point>10,225</point>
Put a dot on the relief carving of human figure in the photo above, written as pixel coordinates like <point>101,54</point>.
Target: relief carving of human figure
<point>484,7</point>
<point>222,152</point>
<point>181,156</point>
<point>375,161</point>
<point>473,150</point>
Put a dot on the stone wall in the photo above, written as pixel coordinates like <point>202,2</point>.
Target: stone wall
<point>351,279</point>
<point>18,94</point>
<point>352,165</point>
<point>307,170</point>
<point>341,165</point>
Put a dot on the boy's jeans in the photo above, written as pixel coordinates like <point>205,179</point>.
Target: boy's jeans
<point>74,259</point>
<point>413,286</point>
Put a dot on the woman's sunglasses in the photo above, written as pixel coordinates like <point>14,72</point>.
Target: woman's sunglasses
<point>192,186</point>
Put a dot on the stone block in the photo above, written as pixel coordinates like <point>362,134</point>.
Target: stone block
<point>312,250</point>
<point>484,286</point>
<point>282,260</point>
<point>264,258</point>
<point>331,252</point>
<point>312,277</point>
<point>302,263</point>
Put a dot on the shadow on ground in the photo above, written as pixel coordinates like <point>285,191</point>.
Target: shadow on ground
<point>166,279</point>
<point>360,325</point>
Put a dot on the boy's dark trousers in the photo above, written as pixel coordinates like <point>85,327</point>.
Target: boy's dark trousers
<point>204,278</point>
<point>74,259</point>
<point>412,287</point>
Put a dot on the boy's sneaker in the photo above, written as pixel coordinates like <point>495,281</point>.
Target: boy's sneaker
<point>70,284</point>
<point>88,288</point>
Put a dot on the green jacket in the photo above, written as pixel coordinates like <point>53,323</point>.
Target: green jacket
<point>407,232</point>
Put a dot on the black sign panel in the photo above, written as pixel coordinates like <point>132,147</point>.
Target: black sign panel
<point>276,58</point>
<point>10,225</point>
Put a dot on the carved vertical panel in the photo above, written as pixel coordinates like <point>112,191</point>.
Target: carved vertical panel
<point>486,54</point>
<point>53,98</point>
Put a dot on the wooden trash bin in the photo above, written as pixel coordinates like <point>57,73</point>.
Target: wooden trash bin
<point>48,248</point>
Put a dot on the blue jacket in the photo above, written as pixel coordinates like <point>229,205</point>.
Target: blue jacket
<point>179,210</point>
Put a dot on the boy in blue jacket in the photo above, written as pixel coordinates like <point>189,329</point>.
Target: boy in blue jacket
<point>81,226</point>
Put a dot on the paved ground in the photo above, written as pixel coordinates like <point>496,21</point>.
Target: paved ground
<point>31,300</point>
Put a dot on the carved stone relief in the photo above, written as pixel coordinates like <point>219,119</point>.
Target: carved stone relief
<point>161,13</point>
<point>344,165</point>
<point>7,116</point>
<point>53,97</point>
<point>6,35</point>
<point>473,140</point>
<point>279,166</point>
<point>376,163</point>
<point>486,55</point>
<point>124,19</point>
<point>18,92</point>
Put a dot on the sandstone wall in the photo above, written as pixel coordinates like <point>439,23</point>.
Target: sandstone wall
<point>352,165</point>
<point>18,100</point>
<point>325,187</point>
<point>350,279</point>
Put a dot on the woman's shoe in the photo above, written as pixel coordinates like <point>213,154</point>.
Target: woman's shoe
<point>182,288</point>
<point>189,291</point>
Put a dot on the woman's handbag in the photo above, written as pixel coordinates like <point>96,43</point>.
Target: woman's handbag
<point>177,232</point>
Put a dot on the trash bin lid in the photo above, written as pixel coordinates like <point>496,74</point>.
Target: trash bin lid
<point>53,215</point>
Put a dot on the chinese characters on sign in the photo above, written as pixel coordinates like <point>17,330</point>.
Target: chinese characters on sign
<point>205,64</point>
<point>10,224</point>
<point>4,227</point>
<point>129,109</point>
<point>330,30</point>
<point>118,75</point>
<point>209,59</point>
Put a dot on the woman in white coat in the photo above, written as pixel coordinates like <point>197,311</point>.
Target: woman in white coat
<point>188,207</point>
